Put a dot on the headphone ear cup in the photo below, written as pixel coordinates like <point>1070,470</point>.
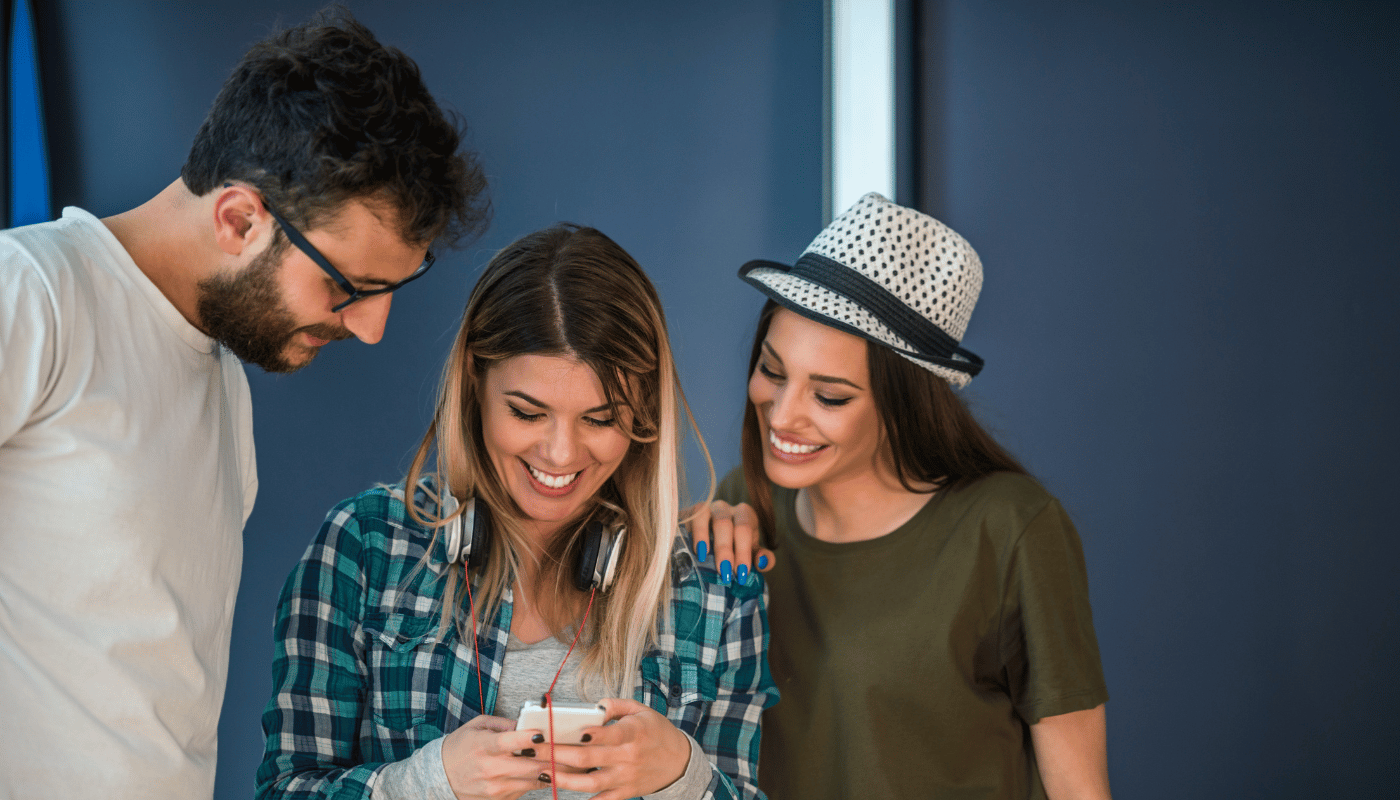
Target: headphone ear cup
<point>452,531</point>
<point>452,539</point>
<point>478,544</point>
<point>612,552</point>
<point>597,559</point>
<point>587,566</point>
<point>467,536</point>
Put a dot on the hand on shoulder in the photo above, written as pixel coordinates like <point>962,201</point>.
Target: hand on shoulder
<point>729,535</point>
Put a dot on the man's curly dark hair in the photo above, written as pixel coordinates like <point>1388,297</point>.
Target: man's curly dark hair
<point>321,114</point>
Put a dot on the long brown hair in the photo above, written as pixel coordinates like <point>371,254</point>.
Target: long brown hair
<point>930,435</point>
<point>569,291</point>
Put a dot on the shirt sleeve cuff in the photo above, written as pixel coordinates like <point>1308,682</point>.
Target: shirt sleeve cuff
<point>694,783</point>
<point>421,776</point>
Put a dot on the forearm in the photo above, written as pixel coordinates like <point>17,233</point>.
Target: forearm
<point>733,764</point>
<point>308,754</point>
<point>418,777</point>
<point>312,720</point>
<point>311,782</point>
<point>730,731</point>
<point>1072,753</point>
<point>694,784</point>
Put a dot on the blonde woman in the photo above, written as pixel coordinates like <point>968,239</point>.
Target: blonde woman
<point>556,434</point>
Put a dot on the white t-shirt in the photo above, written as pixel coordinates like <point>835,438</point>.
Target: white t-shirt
<point>126,474</point>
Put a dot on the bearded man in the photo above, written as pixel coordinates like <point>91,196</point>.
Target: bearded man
<point>315,187</point>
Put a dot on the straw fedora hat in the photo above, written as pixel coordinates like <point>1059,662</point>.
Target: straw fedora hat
<point>890,274</point>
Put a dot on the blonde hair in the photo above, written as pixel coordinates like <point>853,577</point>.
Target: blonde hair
<point>569,291</point>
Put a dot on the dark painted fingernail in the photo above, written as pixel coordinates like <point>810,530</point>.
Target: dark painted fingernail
<point>537,738</point>
<point>726,573</point>
<point>544,777</point>
<point>587,737</point>
<point>763,562</point>
<point>701,550</point>
<point>528,752</point>
<point>742,576</point>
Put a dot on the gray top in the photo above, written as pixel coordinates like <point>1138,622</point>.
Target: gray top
<point>528,669</point>
<point>526,673</point>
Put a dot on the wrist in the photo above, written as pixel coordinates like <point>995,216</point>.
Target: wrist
<point>694,779</point>
<point>681,754</point>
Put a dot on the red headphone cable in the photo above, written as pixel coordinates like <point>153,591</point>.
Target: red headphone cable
<point>548,699</point>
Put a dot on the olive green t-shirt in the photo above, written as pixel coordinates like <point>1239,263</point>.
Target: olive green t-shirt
<point>911,665</point>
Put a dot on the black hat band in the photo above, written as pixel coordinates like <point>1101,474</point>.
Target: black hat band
<point>931,343</point>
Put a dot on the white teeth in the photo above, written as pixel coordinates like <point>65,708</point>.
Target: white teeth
<point>789,447</point>
<point>552,481</point>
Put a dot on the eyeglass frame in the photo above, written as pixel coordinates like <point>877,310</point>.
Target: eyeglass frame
<point>355,295</point>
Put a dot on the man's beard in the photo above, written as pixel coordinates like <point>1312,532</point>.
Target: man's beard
<point>245,313</point>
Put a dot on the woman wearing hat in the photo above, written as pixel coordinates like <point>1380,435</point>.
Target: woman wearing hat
<point>929,611</point>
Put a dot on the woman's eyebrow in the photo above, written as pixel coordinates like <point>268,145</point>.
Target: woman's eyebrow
<point>768,348</point>
<point>771,352</point>
<point>532,401</point>
<point>833,379</point>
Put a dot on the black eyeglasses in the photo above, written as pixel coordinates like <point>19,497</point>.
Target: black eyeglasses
<point>346,286</point>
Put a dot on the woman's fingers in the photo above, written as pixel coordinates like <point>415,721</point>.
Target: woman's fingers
<point>640,753</point>
<point>520,741</point>
<point>487,757</point>
<point>698,517</point>
<point>722,538</point>
<point>730,534</point>
<point>737,538</point>
<point>574,757</point>
<point>486,722</point>
<point>744,536</point>
<point>616,708</point>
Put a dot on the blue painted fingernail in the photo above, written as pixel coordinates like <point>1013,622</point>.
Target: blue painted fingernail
<point>742,575</point>
<point>725,573</point>
<point>701,550</point>
<point>762,562</point>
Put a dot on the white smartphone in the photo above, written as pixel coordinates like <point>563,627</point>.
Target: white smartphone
<point>570,719</point>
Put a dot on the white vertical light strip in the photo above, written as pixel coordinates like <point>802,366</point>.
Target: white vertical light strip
<point>862,121</point>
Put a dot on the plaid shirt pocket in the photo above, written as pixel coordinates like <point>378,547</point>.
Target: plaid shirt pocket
<point>680,689</point>
<point>406,662</point>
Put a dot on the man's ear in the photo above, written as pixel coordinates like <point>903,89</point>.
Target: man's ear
<point>240,219</point>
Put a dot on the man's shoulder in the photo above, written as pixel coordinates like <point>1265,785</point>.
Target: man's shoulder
<point>75,235</point>
<point>52,262</point>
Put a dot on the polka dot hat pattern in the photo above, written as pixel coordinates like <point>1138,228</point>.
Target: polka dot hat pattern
<point>923,263</point>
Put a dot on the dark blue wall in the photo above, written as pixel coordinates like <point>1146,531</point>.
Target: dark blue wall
<point>1189,219</point>
<point>1187,216</point>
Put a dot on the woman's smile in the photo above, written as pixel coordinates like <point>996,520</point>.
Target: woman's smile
<point>551,433</point>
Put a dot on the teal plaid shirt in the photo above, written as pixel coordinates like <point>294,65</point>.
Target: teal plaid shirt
<point>361,678</point>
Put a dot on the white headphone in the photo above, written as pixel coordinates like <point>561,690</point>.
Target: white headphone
<point>461,547</point>
<point>597,567</point>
